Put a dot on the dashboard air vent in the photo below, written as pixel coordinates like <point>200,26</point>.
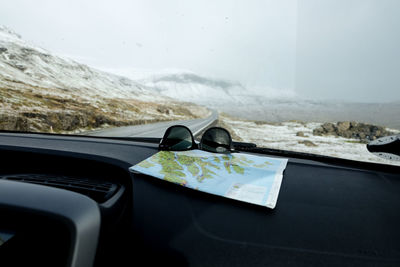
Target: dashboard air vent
<point>98,190</point>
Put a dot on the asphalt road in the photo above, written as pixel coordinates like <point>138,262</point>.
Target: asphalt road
<point>155,129</point>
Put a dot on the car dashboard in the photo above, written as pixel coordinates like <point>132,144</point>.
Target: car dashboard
<point>71,201</point>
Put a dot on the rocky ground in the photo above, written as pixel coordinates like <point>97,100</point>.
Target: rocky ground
<point>350,129</point>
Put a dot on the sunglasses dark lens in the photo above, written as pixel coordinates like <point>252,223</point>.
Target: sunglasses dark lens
<point>177,138</point>
<point>216,140</point>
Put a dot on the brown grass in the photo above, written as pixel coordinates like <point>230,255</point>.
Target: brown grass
<point>31,108</point>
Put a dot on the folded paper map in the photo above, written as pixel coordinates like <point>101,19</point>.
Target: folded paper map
<point>245,177</point>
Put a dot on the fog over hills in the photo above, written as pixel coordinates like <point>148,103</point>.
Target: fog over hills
<point>267,104</point>
<point>31,72</point>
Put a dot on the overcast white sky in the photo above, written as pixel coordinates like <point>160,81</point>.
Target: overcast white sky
<point>349,49</point>
<point>343,49</point>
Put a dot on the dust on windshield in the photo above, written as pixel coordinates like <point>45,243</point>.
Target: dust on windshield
<point>295,75</point>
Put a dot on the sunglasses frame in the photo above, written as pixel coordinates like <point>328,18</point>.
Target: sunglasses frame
<point>230,149</point>
<point>163,146</point>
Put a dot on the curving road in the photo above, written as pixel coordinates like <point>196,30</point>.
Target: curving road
<point>156,129</point>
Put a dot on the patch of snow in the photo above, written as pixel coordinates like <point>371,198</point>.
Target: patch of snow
<point>283,136</point>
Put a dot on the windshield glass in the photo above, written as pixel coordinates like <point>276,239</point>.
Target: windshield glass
<point>313,76</point>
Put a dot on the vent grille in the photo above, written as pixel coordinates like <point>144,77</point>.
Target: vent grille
<point>98,190</point>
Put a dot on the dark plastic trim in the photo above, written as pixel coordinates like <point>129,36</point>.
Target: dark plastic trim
<point>79,213</point>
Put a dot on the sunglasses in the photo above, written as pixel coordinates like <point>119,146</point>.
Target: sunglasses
<point>180,138</point>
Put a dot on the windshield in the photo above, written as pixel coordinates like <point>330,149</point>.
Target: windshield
<point>312,76</point>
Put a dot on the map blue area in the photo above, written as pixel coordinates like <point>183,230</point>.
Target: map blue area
<point>245,177</point>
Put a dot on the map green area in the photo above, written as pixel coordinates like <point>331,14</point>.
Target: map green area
<point>245,177</point>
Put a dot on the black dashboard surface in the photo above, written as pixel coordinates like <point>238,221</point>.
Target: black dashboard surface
<point>326,214</point>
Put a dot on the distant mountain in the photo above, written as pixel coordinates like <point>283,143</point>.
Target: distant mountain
<point>192,87</point>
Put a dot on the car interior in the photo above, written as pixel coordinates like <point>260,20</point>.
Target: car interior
<point>71,201</point>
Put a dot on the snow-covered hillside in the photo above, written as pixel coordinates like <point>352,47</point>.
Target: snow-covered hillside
<point>40,91</point>
<point>23,62</point>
